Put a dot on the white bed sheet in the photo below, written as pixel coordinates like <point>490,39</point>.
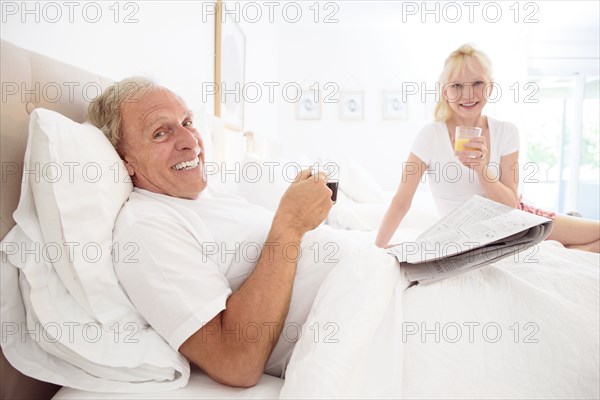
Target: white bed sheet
<point>200,386</point>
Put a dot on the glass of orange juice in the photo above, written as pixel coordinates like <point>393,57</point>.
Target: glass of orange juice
<point>462,136</point>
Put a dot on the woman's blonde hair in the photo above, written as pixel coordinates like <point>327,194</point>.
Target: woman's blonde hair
<point>105,110</point>
<point>464,57</point>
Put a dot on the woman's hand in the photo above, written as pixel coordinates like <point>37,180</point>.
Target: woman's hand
<point>475,155</point>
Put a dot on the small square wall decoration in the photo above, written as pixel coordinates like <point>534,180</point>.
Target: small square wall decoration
<point>393,105</point>
<point>309,106</point>
<point>352,105</point>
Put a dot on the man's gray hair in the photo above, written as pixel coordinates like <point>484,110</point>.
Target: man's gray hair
<point>105,110</point>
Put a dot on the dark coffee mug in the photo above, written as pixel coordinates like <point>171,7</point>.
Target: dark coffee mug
<point>334,188</point>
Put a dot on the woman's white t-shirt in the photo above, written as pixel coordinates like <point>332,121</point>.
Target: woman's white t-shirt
<point>450,181</point>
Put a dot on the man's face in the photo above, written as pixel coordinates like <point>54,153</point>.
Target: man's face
<point>162,150</point>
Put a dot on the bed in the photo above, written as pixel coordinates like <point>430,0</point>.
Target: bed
<point>523,328</point>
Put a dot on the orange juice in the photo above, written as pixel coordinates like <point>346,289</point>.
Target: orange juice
<point>459,144</point>
<point>462,136</point>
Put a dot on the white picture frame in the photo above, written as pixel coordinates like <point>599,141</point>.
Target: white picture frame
<point>394,108</point>
<point>230,71</point>
<point>352,105</point>
<point>309,106</point>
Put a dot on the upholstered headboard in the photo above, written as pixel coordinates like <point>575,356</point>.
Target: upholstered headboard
<point>31,80</point>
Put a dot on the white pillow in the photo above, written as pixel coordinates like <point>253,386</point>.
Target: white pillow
<point>344,215</point>
<point>86,333</point>
<point>79,185</point>
<point>349,214</point>
<point>357,183</point>
<point>264,183</point>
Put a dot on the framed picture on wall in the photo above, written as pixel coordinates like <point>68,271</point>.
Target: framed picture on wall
<point>352,105</point>
<point>230,66</point>
<point>309,106</point>
<point>393,105</point>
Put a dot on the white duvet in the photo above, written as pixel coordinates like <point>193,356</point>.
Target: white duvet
<point>525,327</point>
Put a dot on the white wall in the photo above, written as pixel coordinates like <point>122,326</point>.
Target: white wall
<point>167,41</point>
<point>374,46</point>
<point>371,49</point>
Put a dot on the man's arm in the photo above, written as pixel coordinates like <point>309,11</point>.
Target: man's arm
<point>262,302</point>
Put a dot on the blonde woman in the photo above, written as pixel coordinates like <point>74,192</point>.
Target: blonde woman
<point>488,167</point>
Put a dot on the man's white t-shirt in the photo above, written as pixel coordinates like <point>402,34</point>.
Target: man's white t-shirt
<point>181,259</point>
<point>450,181</point>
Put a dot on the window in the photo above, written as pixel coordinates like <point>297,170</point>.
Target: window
<point>562,144</point>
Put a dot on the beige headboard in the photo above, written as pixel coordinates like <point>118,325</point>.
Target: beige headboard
<point>32,80</point>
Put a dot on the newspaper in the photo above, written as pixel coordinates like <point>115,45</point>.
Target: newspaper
<point>475,234</point>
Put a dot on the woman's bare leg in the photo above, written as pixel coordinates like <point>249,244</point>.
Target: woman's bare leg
<point>576,233</point>
<point>593,247</point>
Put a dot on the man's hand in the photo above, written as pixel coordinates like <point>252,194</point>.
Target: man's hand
<point>305,204</point>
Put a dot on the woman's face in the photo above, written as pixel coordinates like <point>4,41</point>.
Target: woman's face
<point>467,91</point>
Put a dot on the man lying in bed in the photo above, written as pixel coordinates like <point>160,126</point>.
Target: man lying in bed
<point>224,312</point>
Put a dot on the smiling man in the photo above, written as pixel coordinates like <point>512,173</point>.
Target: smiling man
<point>202,301</point>
<point>162,150</point>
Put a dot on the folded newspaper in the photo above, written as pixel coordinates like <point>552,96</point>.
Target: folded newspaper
<point>475,234</point>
